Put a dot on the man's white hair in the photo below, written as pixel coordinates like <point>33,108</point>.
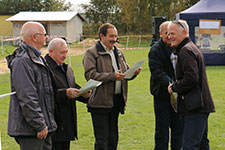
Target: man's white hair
<point>162,25</point>
<point>182,25</point>
<point>53,43</point>
<point>185,25</point>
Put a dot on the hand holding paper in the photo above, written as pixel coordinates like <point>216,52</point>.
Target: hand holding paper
<point>72,92</point>
<point>91,84</point>
<point>87,94</point>
<point>130,72</point>
<point>119,75</point>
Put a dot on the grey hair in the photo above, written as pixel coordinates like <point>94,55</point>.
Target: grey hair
<point>53,43</point>
<point>162,25</point>
<point>185,25</point>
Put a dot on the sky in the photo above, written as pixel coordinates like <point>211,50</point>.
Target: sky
<point>77,2</point>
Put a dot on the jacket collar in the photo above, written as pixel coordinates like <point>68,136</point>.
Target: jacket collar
<point>165,47</point>
<point>102,51</point>
<point>33,53</point>
<point>52,63</point>
<point>185,41</point>
<point>37,52</point>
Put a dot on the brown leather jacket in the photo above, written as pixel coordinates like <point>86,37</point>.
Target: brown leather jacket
<point>98,66</point>
<point>187,73</point>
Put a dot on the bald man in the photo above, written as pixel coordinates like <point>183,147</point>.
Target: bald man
<point>161,61</point>
<point>31,111</point>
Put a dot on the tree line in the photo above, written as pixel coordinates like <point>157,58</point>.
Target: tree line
<point>129,16</point>
<point>11,7</point>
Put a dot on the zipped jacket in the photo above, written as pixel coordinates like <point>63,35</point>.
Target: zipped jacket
<point>98,66</point>
<point>32,107</point>
<point>189,58</point>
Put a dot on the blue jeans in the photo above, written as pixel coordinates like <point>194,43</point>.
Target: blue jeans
<point>195,132</point>
<point>166,118</point>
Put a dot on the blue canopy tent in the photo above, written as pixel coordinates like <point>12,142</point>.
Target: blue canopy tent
<point>206,9</point>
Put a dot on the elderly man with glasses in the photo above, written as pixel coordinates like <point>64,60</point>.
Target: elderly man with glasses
<point>191,78</point>
<point>31,111</point>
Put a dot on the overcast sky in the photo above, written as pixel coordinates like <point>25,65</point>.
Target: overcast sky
<point>77,2</point>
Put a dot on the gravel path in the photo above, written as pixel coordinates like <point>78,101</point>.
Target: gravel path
<point>4,67</point>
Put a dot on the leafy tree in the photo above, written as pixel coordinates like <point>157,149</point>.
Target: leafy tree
<point>135,15</point>
<point>8,7</point>
<point>132,16</point>
<point>100,11</point>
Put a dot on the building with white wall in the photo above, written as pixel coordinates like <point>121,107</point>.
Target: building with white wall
<point>68,24</point>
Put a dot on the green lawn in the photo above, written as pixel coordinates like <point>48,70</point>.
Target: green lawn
<point>136,126</point>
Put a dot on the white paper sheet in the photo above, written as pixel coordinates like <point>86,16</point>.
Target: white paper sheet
<point>91,84</point>
<point>130,72</point>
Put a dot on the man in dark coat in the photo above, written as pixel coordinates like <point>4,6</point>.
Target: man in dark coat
<point>191,74</point>
<point>66,91</point>
<point>31,112</point>
<point>162,73</point>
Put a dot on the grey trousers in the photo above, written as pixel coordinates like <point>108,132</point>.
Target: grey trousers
<point>33,143</point>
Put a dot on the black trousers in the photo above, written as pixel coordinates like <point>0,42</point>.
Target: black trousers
<point>165,119</point>
<point>33,143</point>
<point>196,132</point>
<point>105,124</point>
<point>61,145</point>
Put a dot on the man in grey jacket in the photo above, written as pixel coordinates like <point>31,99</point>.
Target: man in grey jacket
<point>104,62</point>
<point>31,111</point>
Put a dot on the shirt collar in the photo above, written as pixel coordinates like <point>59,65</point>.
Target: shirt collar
<point>106,48</point>
<point>37,52</point>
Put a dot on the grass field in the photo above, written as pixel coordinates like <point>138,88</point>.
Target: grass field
<point>136,127</point>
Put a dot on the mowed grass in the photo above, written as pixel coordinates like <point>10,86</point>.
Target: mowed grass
<point>136,126</point>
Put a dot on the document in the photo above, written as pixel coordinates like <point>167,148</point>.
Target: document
<point>173,101</point>
<point>91,84</point>
<point>130,72</point>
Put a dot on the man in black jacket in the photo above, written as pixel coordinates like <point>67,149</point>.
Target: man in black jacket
<point>162,73</point>
<point>66,91</point>
<point>191,74</point>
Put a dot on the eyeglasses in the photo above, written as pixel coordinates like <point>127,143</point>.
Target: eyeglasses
<point>178,23</point>
<point>44,34</point>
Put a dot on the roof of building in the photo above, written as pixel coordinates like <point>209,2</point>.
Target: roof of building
<point>45,16</point>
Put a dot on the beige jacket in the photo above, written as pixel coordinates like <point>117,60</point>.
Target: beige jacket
<point>98,66</point>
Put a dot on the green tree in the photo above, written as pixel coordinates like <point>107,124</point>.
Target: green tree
<point>135,16</point>
<point>132,16</point>
<point>8,7</point>
<point>98,12</point>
